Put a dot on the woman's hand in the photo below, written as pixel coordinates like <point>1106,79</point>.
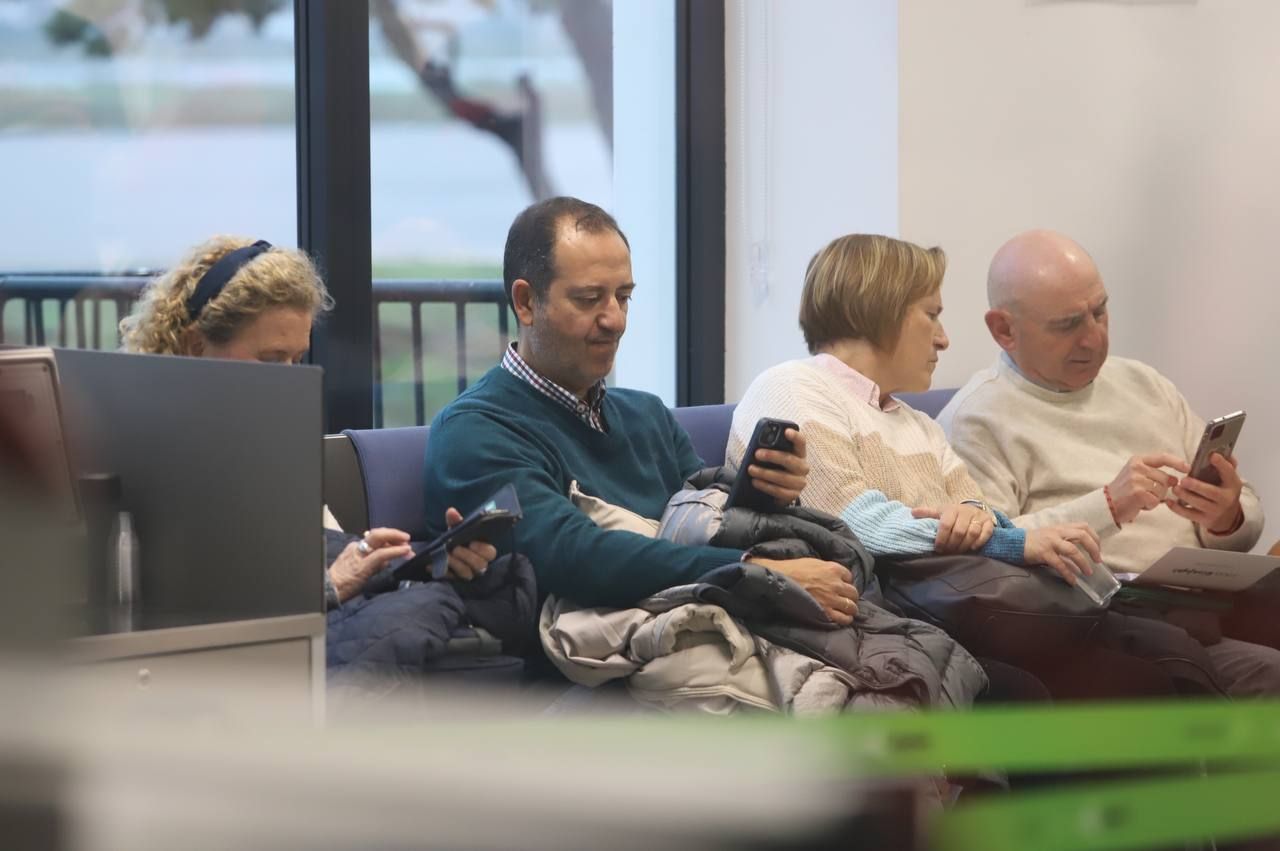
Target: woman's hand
<point>962,528</point>
<point>470,560</point>
<point>362,559</point>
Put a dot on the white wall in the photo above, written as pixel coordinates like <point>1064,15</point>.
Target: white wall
<point>1150,133</point>
<point>811,112</point>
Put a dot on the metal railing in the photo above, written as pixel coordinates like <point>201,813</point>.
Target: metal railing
<point>418,294</point>
<point>65,309</point>
<point>72,295</point>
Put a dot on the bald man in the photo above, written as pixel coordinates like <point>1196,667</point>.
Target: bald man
<point>1057,432</point>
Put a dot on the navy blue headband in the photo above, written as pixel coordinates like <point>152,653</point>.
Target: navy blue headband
<point>217,276</point>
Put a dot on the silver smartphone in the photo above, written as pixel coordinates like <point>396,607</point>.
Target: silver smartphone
<point>1219,436</point>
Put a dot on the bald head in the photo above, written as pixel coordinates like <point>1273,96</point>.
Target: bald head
<point>1048,309</point>
<point>1035,261</point>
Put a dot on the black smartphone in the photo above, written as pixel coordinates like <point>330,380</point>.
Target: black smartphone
<point>768,434</point>
<point>1220,435</point>
<point>495,516</point>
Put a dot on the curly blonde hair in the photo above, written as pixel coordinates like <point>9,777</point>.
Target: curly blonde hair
<point>279,277</point>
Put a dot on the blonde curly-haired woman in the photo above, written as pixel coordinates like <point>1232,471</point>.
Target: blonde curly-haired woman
<point>238,299</point>
<point>231,298</point>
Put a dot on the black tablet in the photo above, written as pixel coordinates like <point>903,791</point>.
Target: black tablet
<point>494,517</point>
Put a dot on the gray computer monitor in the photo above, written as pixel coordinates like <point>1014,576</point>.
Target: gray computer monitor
<point>220,463</point>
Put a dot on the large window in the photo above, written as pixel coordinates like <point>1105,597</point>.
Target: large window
<point>478,109</point>
<point>131,130</point>
<point>128,133</point>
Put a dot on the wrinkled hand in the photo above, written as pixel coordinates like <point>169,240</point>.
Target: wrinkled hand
<point>352,568</point>
<point>961,528</point>
<point>1212,507</point>
<point>1068,548</point>
<point>470,560</point>
<point>1141,485</point>
<point>829,583</point>
<point>783,485</point>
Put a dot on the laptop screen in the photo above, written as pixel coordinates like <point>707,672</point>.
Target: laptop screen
<point>219,464</point>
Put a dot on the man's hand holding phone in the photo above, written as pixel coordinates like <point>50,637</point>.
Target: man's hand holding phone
<point>465,549</point>
<point>785,481</point>
<point>1213,507</point>
<point>467,561</point>
<point>1210,495</point>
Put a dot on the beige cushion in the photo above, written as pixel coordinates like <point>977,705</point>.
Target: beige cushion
<point>614,518</point>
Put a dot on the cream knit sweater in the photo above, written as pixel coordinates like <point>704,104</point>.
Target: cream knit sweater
<point>867,465</point>
<point>1044,456</point>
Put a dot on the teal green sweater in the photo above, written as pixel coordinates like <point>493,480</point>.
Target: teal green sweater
<point>503,430</point>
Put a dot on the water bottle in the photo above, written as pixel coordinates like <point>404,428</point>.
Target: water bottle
<point>124,573</point>
<point>113,554</point>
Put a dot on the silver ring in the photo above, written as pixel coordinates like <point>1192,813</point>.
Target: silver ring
<point>363,547</point>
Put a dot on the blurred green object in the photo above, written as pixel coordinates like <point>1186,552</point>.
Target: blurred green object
<point>1220,763</point>
<point>1083,737</point>
<point>1117,815</point>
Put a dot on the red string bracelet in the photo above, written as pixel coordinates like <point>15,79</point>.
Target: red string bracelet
<point>1111,506</point>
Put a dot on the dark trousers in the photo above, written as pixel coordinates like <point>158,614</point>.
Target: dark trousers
<point>1255,613</point>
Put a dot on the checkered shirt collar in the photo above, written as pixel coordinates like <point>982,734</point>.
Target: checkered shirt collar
<point>590,411</point>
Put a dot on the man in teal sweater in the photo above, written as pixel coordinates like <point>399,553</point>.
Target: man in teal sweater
<point>543,420</point>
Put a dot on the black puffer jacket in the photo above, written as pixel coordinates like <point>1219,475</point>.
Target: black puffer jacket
<point>882,651</point>
<point>396,630</point>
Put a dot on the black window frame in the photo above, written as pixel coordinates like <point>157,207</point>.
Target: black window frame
<point>331,44</point>
<point>334,203</point>
<point>332,102</point>
<point>700,202</point>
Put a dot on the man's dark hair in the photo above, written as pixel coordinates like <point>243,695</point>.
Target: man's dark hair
<point>531,241</point>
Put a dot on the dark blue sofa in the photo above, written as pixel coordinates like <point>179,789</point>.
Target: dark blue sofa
<point>373,477</point>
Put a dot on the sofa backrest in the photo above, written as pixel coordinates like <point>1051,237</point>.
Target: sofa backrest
<point>929,402</point>
<point>389,463</point>
<point>708,427</point>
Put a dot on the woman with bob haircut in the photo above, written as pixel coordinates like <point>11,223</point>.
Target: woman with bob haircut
<point>237,299</point>
<point>871,316</point>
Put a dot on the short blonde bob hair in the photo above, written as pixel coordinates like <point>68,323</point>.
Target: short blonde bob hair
<point>279,277</point>
<point>860,286</point>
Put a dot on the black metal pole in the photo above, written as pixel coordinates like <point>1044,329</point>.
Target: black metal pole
<point>700,202</point>
<point>332,49</point>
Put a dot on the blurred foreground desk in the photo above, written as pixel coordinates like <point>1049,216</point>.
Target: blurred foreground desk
<point>219,465</point>
<point>281,655</point>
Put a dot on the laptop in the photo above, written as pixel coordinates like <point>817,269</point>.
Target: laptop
<point>219,464</point>
<point>1210,570</point>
